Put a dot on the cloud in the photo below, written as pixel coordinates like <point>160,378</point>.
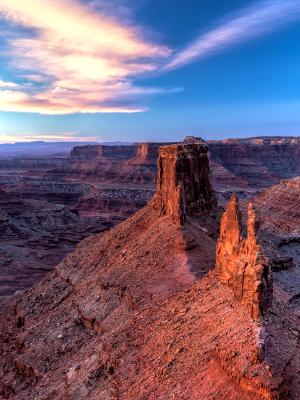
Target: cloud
<point>47,136</point>
<point>4,84</point>
<point>76,59</point>
<point>262,18</point>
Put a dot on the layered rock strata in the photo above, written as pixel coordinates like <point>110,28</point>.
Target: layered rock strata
<point>183,182</point>
<point>279,206</point>
<point>99,152</point>
<point>253,163</point>
<point>240,262</point>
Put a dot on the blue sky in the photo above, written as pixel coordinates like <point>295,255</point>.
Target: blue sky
<point>148,70</point>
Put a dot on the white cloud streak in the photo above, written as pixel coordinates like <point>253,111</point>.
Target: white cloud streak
<point>47,136</point>
<point>260,19</point>
<point>4,84</point>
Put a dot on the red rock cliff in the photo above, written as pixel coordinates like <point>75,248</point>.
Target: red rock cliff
<point>183,181</point>
<point>240,262</point>
<point>146,153</point>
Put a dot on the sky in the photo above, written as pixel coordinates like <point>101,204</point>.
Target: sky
<point>148,70</point>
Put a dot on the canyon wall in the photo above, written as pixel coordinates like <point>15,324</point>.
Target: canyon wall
<point>237,164</point>
<point>102,152</point>
<point>253,163</point>
<point>146,153</point>
<point>133,164</point>
<point>279,206</point>
<point>280,227</point>
<point>243,165</point>
<point>241,263</point>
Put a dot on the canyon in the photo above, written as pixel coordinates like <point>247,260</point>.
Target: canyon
<point>175,302</point>
<point>90,188</point>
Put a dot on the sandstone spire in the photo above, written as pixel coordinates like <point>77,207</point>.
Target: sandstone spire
<point>240,262</point>
<point>183,181</point>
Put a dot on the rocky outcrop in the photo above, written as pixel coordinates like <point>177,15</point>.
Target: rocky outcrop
<point>183,182</point>
<point>240,262</point>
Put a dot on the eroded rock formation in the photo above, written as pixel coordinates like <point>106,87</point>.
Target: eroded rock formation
<point>240,262</point>
<point>183,181</point>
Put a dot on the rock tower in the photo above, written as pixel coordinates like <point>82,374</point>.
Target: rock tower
<point>240,262</point>
<point>183,182</point>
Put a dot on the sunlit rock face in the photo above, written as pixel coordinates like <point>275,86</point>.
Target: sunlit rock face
<point>240,262</point>
<point>183,181</point>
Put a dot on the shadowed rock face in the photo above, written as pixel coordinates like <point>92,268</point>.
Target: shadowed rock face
<point>183,182</point>
<point>240,262</point>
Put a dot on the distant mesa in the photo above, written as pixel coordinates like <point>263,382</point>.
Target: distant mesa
<point>102,152</point>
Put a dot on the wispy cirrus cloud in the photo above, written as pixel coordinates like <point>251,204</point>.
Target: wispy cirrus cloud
<point>261,18</point>
<point>75,58</point>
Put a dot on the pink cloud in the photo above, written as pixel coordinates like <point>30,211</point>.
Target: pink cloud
<point>87,60</point>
